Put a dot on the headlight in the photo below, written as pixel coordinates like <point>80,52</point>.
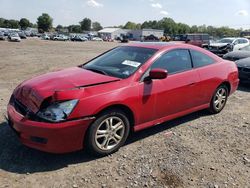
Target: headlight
<point>58,111</point>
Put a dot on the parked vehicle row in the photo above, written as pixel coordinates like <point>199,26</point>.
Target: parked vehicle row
<point>62,37</point>
<point>12,35</point>
<point>242,59</point>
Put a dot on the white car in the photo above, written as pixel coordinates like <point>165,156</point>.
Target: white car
<point>14,37</point>
<point>45,37</point>
<point>226,45</point>
<point>97,39</point>
<point>61,37</point>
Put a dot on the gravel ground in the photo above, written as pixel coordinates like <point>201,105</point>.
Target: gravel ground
<point>198,150</point>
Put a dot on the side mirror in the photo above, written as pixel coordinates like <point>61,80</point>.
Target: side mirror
<point>158,74</point>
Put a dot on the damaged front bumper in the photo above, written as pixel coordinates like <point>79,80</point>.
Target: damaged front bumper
<point>49,137</point>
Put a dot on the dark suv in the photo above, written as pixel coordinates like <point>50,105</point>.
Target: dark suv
<point>197,39</point>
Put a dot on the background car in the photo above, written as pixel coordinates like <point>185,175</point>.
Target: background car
<point>226,45</point>
<point>97,39</point>
<point>22,35</point>
<point>238,54</point>
<point>14,37</point>
<point>2,37</point>
<point>244,69</point>
<point>128,88</point>
<point>61,37</point>
<point>79,38</point>
<point>197,39</point>
<point>45,37</point>
<point>151,38</point>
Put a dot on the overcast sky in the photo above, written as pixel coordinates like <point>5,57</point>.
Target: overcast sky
<point>233,13</point>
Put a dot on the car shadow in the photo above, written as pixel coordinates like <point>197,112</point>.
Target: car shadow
<point>17,158</point>
<point>244,87</point>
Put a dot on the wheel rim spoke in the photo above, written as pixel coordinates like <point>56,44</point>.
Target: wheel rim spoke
<point>118,126</point>
<point>118,137</point>
<point>104,142</point>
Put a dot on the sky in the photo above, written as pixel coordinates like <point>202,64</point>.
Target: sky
<point>232,13</point>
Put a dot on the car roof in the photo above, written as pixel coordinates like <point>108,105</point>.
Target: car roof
<point>159,45</point>
<point>234,38</point>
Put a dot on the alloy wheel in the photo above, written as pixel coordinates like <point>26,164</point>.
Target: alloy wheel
<point>109,133</point>
<point>220,99</point>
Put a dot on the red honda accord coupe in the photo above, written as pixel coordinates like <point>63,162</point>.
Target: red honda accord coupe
<point>128,88</point>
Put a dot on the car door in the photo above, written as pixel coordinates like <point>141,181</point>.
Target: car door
<point>205,66</point>
<point>237,44</point>
<point>243,43</point>
<point>176,93</point>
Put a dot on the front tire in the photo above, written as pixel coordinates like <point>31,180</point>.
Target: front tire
<point>108,133</point>
<point>219,99</point>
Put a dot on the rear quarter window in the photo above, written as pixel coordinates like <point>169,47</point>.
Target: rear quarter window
<point>200,59</point>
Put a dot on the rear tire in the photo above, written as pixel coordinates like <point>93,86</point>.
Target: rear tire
<point>219,99</point>
<point>108,133</point>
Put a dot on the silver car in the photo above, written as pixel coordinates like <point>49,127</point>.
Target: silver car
<point>14,37</point>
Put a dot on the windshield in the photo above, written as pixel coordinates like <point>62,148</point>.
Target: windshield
<point>14,35</point>
<point>229,41</point>
<point>247,48</point>
<point>120,62</point>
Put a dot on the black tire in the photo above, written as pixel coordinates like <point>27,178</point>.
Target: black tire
<point>92,143</point>
<point>215,107</point>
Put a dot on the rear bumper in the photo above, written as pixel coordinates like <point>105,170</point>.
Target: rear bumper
<point>234,86</point>
<point>49,137</point>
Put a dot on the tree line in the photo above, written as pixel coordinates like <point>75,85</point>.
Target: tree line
<point>45,23</point>
<point>171,27</point>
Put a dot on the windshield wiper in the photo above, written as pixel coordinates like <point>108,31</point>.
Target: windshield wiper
<point>96,70</point>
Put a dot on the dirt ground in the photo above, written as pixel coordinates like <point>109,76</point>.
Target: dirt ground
<point>198,150</point>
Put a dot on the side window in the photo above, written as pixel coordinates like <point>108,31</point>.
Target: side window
<point>174,61</point>
<point>236,42</point>
<point>245,41</point>
<point>200,59</point>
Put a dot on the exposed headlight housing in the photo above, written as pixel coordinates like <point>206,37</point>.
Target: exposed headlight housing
<point>57,111</point>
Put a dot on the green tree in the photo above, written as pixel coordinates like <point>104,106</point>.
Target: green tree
<point>59,27</point>
<point>2,22</point>
<point>44,22</point>
<point>96,26</point>
<point>24,23</point>
<point>85,24</point>
<point>130,25</point>
<point>14,24</point>
<point>194,29</point>
<point>182,28</point>
<point>74,29</point>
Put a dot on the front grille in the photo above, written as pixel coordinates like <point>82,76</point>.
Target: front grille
<point>213,48</point>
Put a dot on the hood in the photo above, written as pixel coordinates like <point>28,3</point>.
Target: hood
<point>218,44</point>
<point>33,92</point>
<point>243,62</point>
<point>236,55</point>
